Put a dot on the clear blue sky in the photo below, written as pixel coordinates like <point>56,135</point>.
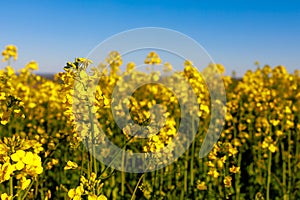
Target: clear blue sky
<point>235,33</point>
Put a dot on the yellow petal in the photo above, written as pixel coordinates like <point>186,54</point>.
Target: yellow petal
<point>20,165</point>
<point>71,193</point>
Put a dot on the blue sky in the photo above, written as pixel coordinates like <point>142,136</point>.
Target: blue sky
<point>234,33</point>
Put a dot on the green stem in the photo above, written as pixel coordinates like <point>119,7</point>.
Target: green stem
<point>289,163</point>
<point>88,161</point>
<point>136,187</point>
<point>11,186</point>
<point>161,181</point>
<point>123,177</point>
<point>186,172</point>
<point>269,175</point>
<point>192,158</point>
<point>154,183</point>
<point>115,156</point>
<point>283,168</point>
<point>82,163</point>
<point>237,178</point>
<point>93,160</point>
<point>36,188</point>
<point>168,172</point>
<point>27,190</point>
<point>153,175</point>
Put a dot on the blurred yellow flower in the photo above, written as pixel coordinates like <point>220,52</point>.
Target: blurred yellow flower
<point>272,148</point>
<point>5,196</point>
<point>152,59</point>
<point>70,165</point>
<point>76,193</point>
<point>32,65</point>
<point>8,52</point>
<point>213,172</point>
<point>6,170</point>
<point>227,181</point>
<point>95,197</point>
<point>25,183</point>
<point>234,169</point>
<point>18,157</point>
<point>130,66</point>
<point>201,185</point>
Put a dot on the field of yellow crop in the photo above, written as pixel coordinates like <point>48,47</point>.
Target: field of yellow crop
<point>43,144</point>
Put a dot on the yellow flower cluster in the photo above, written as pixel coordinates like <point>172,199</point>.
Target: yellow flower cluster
<point>90,188</point>
<point>46,125</point>
<point>153,58</point>
<point>5,196</point>
<point>10,51</point>
<point>19,158</point>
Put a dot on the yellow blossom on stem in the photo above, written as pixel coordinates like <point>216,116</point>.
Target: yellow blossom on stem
<point>234,169</point>
<point>272,148</point>
<point>213,172</point>
<point>6,170</point>
<point>227,181</point>
<point>201,185</point>
<point>70,165</point>
<point>5,196</point>
<point>25,183</point>
<point>32,65</point>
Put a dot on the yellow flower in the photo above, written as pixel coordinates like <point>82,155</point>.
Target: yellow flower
<point>5,117</point>
<point>71,193</point>
<point>210,164</point>
<point>287,110</point>
<point>3,149</point>
<point>70,165</point>
<point>275,122</point>
<point>220,68</point>
<point>188,63</point>
<point>212,156</point>
<point>29,161</point>
<point>17,157</point>
<point>264,145</point>
<point>221,162</point>
<point>227,181</point>
<point>130,66</point>
<point>279,133</point>
<point>93,177</point>
<point>201,185</point>
<point>167,67</point>
<point>234,169</point>
<point>54,161</point>
<point>213,172</point>
<point>101,197</point>
<point>75,194</point>
<point>25,183</point>
<point>232,151</point>
<point>6,170</point>
<point>32,65</point>
<point>114,60</point>
<point>10,51</point>
<point>152,58</point>
<point>5,196</point>
<point>35,166</point>
<point>79,189</point>
<point>272,148</point>
<point>92,197</point>
<point>84,60</point>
